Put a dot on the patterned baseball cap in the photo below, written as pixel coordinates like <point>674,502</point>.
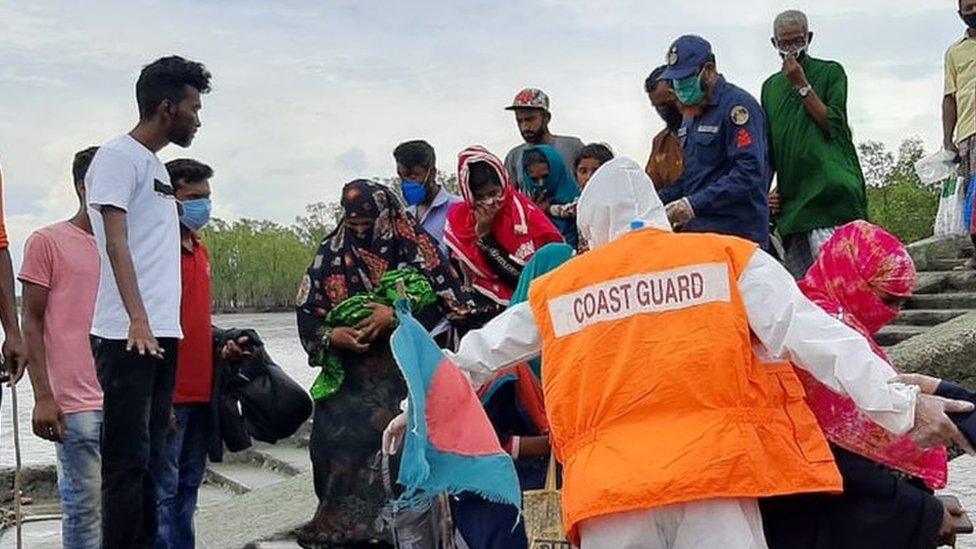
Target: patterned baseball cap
<point>530,98</point>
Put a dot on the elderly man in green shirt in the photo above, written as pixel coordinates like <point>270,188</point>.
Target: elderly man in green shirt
<point>820,185</point>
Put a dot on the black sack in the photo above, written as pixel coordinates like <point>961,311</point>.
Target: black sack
<point>274,405</point>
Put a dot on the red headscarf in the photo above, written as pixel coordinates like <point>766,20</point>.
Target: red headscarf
<point>520,227</point>
<point>858,262</point>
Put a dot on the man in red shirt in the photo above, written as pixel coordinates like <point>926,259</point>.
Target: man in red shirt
<point>184,457</point>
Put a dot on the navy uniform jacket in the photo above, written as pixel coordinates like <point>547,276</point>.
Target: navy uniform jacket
<point>726,168</point>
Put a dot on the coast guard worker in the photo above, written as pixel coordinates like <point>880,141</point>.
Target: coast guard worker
<point>725,184</point>
<point>667,422</point>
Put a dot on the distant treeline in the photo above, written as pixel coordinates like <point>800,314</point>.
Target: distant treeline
<point>257,265</point>
<point>897,200</point>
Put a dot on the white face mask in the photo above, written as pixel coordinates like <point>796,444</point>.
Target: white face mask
<point>795,51</point>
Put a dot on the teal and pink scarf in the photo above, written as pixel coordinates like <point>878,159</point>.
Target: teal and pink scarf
<point>450,445</point>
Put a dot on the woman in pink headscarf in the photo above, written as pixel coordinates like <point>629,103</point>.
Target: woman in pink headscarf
<point>863,276</point>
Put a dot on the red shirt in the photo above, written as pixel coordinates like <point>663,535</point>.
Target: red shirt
<point>194,366</point>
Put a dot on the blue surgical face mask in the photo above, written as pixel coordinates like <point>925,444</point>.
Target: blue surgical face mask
<point>196,213</point>
<point>414,192</point>
<point>689,90</point>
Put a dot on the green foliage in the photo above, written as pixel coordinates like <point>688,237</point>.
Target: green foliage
<point>897,200</point>
<point>255,265</point>
<point>319,220</point>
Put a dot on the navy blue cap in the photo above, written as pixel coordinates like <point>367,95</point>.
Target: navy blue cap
<point>686,57</point>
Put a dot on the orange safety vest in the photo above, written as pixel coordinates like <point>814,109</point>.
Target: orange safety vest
<point>652,388</point>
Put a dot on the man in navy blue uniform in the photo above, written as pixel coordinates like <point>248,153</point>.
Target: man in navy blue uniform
<point>725,184</point>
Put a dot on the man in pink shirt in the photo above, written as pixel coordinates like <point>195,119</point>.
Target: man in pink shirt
<point>60,277</point>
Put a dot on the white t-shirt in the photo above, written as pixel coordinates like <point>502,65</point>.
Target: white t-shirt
<point>127,175</point>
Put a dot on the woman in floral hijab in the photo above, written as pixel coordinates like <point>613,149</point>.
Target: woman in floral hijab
<point>345,319</point>
<point>863,276</point>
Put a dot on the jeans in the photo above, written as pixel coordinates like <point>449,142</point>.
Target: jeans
<point>79,481</point>
<point>138,396</point>
<point>179,477</point>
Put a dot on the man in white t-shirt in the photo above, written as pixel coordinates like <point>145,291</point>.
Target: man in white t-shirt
<point>136,323</point>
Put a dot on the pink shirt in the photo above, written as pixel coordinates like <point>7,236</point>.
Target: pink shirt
<point>64,259</point>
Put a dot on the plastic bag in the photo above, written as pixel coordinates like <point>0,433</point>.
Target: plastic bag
<point>426,526</point>
<point>951,219</point>
<point>936,167</point>
<point>967,206</point>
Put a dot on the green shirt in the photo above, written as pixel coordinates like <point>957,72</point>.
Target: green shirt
<point>819,176</point>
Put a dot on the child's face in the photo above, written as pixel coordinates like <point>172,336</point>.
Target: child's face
<point>585,170</point>
<point>538,172</point>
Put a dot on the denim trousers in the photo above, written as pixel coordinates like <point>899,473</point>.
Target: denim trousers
<point>138,397</point>
<point>180,474</point>
<point>80,480</point>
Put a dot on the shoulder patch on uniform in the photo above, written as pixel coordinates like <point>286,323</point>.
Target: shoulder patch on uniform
<point>739,115</point>
<point>743,139</point>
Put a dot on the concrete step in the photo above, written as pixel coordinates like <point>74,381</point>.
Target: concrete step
<point>241,478</point>
<point>211,493</point>
<point>271,513</point>
<point>946,264</point>
<point>282,544</point>
<point>286,458</point>
<point>894,334</point>
<point>934,282</point>
<point>927,317</point>
<point>44,534</point>
<point>958,300</point>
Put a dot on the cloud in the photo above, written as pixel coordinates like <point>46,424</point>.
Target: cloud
<point>353,160</point>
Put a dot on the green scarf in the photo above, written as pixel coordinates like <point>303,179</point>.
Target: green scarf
<point>352,311</point>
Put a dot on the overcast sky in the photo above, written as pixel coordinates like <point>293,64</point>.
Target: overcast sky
<point>308,95</point>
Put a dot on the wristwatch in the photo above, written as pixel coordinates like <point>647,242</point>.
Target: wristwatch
<point>804,91</point>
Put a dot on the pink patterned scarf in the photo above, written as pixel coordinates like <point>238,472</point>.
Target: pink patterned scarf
<point>860,263</point>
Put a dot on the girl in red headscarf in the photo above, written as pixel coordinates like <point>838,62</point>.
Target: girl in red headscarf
<point>863,276</point>
<point>496,230</point>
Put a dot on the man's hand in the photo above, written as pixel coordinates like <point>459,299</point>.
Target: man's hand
<point>927,384</point>
<point>349,339</point>
<point>934,428</point>
<point>233,350</point>
<point>793,71</point>
<point>484,216</point>
<point>947,531</point>
<point>48,419</point>
<point>142,340</point>
<point>381,320</point>
<point>14,359</point>
<point>393,434</point>
<point>679,213</point>
<point>775,206</point>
